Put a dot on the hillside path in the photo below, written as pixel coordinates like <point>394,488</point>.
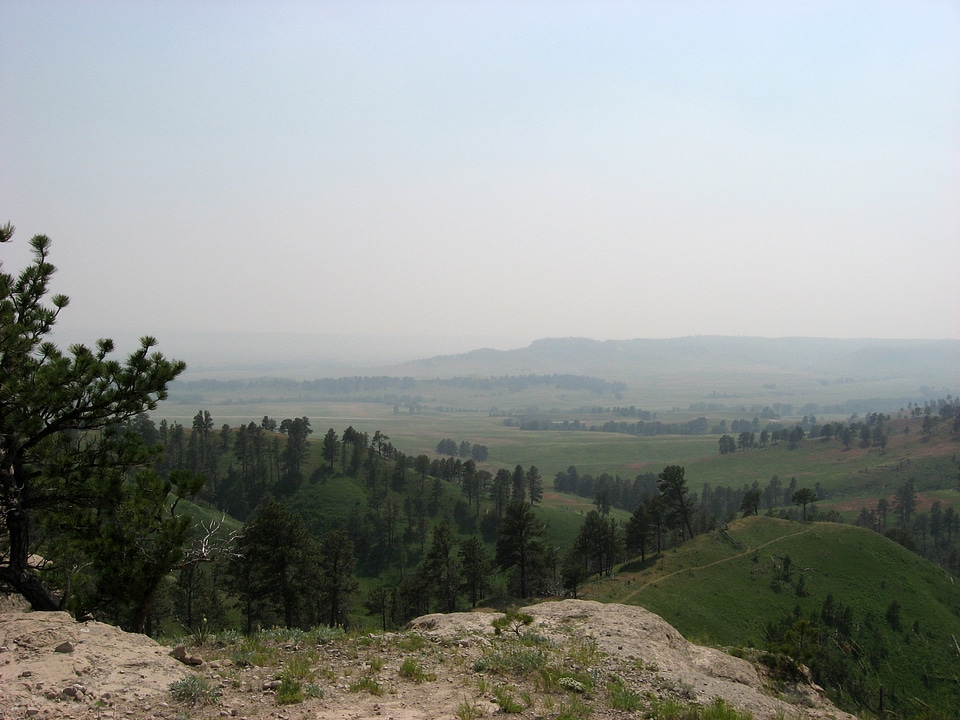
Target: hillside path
<point>749,550</point>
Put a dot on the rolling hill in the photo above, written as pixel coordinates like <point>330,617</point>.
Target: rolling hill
<point>879,620</point>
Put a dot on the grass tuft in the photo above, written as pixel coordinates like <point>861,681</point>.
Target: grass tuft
<point>367,684</point>
<point>411,670</point>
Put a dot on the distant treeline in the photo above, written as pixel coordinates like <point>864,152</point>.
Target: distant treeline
<point>381,388</point>
<point>699,426</point>
<point>516,383</point>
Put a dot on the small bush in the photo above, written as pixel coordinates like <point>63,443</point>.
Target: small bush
<point>719,710</point>
<point>585,652</point>
<point>285,635</point>
<point>201,634</point>
<point>298,668</point>
<point>195,690</point>
<point>290,691</point>
<point>782,667</point>
<point>553,679</point>
<point>532,638</point>
<point>312,690</point>
<point>513,621</point>
<point>571,684</point>
<point>253,652</point>
<point>229,637</point>
<point>323,635</point>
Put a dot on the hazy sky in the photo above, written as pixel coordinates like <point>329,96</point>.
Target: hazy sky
<point>489,172</point>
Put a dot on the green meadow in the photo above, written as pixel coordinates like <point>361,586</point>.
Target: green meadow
<point>718,589</point>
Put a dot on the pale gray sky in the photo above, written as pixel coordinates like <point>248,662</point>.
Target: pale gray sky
<point>489,173</point>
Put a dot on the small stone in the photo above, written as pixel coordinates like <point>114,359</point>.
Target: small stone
<point>64,647</point>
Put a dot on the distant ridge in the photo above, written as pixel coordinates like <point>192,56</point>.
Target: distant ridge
<point>928,362</point>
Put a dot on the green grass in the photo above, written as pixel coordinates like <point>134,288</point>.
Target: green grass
<point>366,684</point>
<point>506,701</point>
<point>412,670</point>
<point>511,660</point>
<point>290,691</point>
<point>716,593</point>
<point>719,710</point>
<point>623,698</point>
<point>327,505</point>
<point>575,709</point>
<point>468,710</point>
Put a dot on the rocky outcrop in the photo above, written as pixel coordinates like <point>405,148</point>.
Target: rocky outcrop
<point>53,666</point>
<point>652,655</point>
<point>48,660</point>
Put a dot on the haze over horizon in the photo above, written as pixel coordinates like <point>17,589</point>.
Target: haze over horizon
<point>461,175</point>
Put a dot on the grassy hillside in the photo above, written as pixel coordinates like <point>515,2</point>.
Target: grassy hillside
<point>719,589</point>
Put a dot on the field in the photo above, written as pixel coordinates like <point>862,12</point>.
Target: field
<point>851,478</point>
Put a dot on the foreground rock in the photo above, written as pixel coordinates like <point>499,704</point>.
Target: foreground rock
<point>53,666</point>
<point>653,655</point>
<point>439,667</point>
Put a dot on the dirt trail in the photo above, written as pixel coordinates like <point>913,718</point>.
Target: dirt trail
<point>626,599</point>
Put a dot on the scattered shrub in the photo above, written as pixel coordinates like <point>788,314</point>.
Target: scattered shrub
<point>290,691</point>
<point>195,690</point>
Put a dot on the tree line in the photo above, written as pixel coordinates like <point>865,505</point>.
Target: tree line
<point>287,565</point>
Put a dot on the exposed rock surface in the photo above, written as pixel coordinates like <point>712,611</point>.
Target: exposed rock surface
<point>54,667</point>
<point>59,667</point>
<point>632,637</point>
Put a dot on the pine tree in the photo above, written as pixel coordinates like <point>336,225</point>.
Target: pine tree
<point>58,454</point>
